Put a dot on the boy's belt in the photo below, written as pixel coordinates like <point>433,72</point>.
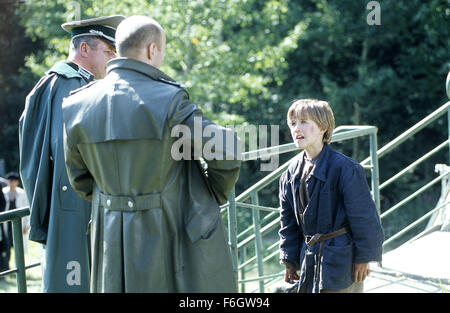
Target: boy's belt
<point>312,240</point>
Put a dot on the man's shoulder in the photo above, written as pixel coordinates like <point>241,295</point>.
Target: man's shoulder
<point>171,83</point>
<point>60,75</point>
<point>64,70</point>
<point>83,87</point>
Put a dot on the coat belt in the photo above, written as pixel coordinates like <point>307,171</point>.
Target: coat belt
<point>130,203</point>
<point>311,241</point>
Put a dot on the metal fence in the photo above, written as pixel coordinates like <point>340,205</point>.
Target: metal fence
<point>15,216</point>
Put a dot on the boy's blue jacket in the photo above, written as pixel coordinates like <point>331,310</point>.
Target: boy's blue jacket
<point>339,196</point>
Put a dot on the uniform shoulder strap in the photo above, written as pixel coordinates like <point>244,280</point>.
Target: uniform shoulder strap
<point>174,83</point>
<point>83,87</point>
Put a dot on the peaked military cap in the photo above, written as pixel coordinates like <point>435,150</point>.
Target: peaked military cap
<point>103,27</point>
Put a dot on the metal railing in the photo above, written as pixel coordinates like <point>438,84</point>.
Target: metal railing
<point>15,216</point>
<point>388,148</point>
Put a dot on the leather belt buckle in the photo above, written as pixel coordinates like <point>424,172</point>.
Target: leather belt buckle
<point>313,240</point>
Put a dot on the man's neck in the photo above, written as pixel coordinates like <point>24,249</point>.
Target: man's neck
<point>76,61</point>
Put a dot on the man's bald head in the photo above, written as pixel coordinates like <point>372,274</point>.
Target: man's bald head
<point>136,33</point>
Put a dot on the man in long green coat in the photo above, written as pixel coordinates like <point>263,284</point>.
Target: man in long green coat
<point>132,145</point>
<point>59,217</point>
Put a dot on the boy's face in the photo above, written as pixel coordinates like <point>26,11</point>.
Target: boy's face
<point>306,133</point>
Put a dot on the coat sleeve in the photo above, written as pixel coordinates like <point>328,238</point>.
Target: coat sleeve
<point>36,165</point>
<point>34,150</point>
<point>362,215</point>
<point>79,176</point>
<point>217,145</point>
<point>291,236</point>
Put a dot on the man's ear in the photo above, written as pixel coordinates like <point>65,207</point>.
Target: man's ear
<point>151,50</point>
<point>84,49</point>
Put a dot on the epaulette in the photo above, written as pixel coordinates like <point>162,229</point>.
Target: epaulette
<point>179,85</point>
<point>87,76</point>
<point>83,87</point>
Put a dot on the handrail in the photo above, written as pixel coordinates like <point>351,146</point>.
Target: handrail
<point>414,164</point>
<point>413,195</point>
<point>341,133</point>
<point>12,214</point>
<point>415,223</point>
<point>15,216</point>
<point>411,131</point>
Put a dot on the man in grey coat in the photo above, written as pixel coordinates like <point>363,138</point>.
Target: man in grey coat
<point>59,217</point>
<point>132,146</point>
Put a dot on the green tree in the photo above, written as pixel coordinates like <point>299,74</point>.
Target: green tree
<point>15,80</point>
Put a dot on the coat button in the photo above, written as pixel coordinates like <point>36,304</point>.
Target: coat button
<point>130,204</point>
<point>64,188</point>
<point>108,202</point>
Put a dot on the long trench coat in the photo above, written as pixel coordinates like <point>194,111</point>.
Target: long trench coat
<point>59,217</point>
<point>339,197</point>
<point>155,218</point>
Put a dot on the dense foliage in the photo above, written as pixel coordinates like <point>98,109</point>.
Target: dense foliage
<point>244,61</point>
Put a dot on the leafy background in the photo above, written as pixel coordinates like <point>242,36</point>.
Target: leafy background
<point>244,61</point>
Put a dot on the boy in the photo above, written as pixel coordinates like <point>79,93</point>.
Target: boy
<point>330,228</point>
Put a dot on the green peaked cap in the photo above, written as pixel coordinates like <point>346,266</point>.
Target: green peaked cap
<point>103,27</point>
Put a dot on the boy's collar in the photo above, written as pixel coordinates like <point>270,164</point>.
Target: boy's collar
<point>320,161</point>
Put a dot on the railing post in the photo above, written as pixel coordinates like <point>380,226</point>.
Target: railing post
<point>258,240</point>
<point>232,234</point>
<point>375,170</point>
<point>243,256</point>
<point>19,255</point>
<point>448,125</point>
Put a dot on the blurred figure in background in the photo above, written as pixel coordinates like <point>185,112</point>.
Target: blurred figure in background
<point>4,259</point>
<point>11,197</point>
<point>15,198</point>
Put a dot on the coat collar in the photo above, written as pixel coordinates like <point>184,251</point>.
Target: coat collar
<point>138,66</point>
<point>70,70</point>
<point>319,170</point>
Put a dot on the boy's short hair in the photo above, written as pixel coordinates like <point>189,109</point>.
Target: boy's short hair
<point>317,110</point>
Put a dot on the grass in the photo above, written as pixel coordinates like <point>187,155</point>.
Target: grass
<point>33,275</point>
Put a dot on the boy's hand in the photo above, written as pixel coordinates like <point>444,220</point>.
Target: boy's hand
<point>360,271</point>
<point>290,274</point>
